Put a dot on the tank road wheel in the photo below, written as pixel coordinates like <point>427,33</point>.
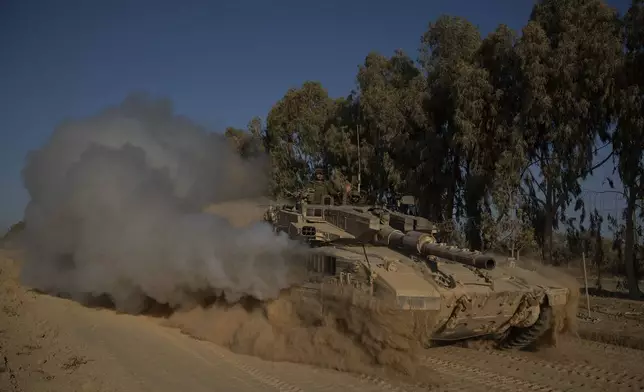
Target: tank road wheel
<point>519,338</point>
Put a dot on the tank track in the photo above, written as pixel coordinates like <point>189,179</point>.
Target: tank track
<point>520,338</point>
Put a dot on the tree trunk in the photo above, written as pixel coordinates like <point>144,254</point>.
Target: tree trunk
<point>451,190</point>
<point>549,216</point>
<point>473,196</point>
<point>599,244</point>
<point>629,247</point>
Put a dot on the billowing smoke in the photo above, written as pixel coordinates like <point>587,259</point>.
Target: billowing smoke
<point>116,209</point>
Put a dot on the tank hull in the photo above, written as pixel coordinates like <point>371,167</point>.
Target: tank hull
<point>462,302</point>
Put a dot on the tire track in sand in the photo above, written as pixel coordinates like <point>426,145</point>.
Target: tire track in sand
<point>573,374</point>
<point>602,353</point>
<point>531,373</point>
<point>452,366</point>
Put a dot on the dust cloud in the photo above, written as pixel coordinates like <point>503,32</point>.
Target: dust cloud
<point>146,208</point>
<point>341,331</point>
<point>116,209</point>
<point>344,330</point>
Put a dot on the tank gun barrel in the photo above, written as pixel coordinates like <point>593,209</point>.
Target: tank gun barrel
<point>461,255</point>
<point>424,244</point>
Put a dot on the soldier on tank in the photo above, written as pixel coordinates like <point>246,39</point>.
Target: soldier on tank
<point>323,187</point>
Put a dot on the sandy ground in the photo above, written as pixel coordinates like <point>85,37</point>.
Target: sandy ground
<point>53,344</point>
<point>612,320</point>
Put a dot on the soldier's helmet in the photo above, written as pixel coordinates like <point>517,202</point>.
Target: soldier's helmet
<point>318,171</point>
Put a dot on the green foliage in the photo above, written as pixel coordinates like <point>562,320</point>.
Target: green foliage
<point>629,137</point>
<point>295,131</point>
<point>492,134</point>
<point>568,56</point>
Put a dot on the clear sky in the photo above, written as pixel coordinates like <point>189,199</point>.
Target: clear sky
<point>221,64</point>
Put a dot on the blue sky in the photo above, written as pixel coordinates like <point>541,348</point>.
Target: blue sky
<point>220,64</point>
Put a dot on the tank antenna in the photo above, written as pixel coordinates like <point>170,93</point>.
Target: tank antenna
<point>359,165</point>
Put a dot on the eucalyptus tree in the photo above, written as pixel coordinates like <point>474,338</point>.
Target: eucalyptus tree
<point>294,134</point>
<point>568,53</point>
<point>447,56</point>
<point>628,141</point>
<point>390,113</point>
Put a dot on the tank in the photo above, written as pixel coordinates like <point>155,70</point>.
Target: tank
<point>397,257</point>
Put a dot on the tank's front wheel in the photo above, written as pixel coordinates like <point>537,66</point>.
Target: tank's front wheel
<point>519,338</point>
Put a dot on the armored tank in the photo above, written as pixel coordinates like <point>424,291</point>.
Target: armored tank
<point>397,257</point>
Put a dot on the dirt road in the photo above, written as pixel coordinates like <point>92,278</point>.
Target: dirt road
<point>53,344</point>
